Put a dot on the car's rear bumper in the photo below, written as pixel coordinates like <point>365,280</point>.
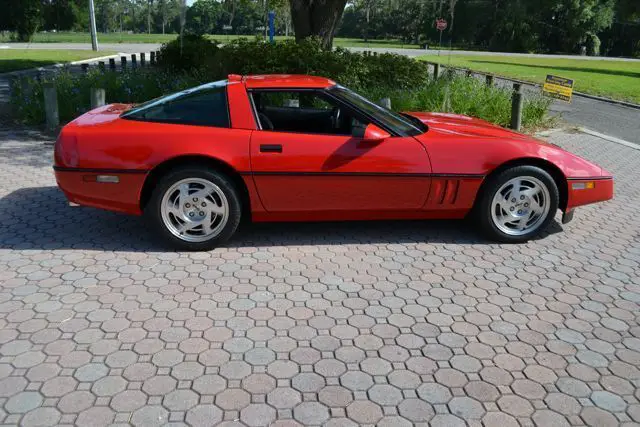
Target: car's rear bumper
<point>584,191</point>
<point>82,186</point>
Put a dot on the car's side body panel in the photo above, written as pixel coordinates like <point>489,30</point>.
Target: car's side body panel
<point>339,173</point>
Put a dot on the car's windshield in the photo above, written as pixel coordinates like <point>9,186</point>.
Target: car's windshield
<point>390,119</point>
<point>140,108</point>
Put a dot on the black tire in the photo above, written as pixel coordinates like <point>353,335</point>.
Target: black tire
<point>153,210</point>
<point>483,208</point>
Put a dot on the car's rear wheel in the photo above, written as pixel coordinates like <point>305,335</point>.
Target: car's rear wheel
<point>517,204</point>
<point>194,208</point>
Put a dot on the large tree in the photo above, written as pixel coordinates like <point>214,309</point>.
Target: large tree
<point>573,22</point>
<point>317,18</point>
<point>25,17</point>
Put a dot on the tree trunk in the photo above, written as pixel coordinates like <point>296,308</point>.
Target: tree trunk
<point>149,17</point>
<point>316,18</point>
<point>452,8</point>
<point>231,4</point>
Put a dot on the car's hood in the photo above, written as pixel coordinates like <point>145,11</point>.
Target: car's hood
<point>466,126</point>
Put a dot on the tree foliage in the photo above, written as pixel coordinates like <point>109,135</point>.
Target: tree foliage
<point>611,27</point>
<point>504,25</point>
<point>23,17</point>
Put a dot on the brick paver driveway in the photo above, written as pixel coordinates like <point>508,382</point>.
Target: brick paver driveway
<point>335,324</point>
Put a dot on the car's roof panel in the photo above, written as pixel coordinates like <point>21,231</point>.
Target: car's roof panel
<point>286,81</point>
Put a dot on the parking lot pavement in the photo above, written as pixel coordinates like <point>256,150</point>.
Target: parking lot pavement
<point>344,324</point>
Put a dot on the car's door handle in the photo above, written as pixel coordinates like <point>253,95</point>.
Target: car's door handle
<point>271,148</point>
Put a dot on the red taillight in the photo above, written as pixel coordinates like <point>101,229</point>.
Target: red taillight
<point>66,151</point>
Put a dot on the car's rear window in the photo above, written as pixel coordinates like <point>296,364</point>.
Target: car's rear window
<point>204,105</point>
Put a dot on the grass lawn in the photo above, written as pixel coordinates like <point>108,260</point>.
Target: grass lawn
<point>612,79</point>
<point>22,59</point>
<point>69,37</point>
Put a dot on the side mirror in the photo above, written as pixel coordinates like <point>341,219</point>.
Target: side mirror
<point>373,133</point>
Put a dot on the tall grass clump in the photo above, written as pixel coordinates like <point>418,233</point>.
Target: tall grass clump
<point>468,96</point>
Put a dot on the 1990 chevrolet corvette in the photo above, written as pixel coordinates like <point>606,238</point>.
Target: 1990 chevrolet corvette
<point>303,148</point>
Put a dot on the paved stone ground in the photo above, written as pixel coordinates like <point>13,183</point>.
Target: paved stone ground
<point>335,324</point>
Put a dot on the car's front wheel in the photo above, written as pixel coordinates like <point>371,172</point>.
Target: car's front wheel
<point>517,204</point>
<point>194,208</point>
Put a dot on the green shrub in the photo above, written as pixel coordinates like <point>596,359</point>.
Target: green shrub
<point>244,56</point>
<point>187,52</point>
<point>593,44</point>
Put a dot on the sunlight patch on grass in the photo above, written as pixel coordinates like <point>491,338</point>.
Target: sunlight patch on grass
<point>613,79</point>
<point>22,59</point>
<point>72,37</point>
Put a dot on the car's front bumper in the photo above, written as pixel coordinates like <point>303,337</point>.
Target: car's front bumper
<point>584,191</point>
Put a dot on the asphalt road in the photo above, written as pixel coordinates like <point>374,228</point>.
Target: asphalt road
<point>604,117</point>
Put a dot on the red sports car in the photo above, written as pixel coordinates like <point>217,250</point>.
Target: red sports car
<point>303,148</point>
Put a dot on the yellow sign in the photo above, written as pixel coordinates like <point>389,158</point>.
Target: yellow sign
<point>558,87</point>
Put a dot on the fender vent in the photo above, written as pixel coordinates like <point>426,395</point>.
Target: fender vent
<point>444,192</point>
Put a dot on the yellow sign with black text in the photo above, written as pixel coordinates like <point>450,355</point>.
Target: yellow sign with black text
<point>558,87</point>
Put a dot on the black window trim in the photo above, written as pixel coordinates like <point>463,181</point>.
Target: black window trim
<point>325,92</point>
<point>125,115</point>
<point>393,131</point>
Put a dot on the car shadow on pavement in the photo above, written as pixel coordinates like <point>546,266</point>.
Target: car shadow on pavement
<point>40,218</point>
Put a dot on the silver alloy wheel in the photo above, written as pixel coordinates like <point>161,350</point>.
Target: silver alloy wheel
<point>520,206</point>
<point>194,210</point>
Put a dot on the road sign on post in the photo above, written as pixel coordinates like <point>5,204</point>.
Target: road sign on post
<point>272,25</point>
<point>558,87</point>
<point>441,24</point>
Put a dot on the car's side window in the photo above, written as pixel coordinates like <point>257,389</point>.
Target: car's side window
<point>205,107</point>
<point>303,111</point>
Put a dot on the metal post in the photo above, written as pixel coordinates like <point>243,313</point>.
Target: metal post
<point>123,63</point>
<point>272,27</point>
<point>385,102</point>
<point>489,80</point>
<point>134,61</point>
<point>51,106</point>
<point>94,33</point>
<point>436,70</point>
<point>516,107</point>
<point>101,66</point>
<point>143,59</point>
<point>85,68</point>
<point>152,58</point>
<point>112,64</point>
<point>97,97</point>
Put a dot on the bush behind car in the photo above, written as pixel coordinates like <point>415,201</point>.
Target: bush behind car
<point>245,56</point>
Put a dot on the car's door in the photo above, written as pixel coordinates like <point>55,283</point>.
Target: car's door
<point>311,162</point>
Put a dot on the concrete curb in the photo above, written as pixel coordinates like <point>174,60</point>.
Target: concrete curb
<point>609,138</point>
<point>609,100</point>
